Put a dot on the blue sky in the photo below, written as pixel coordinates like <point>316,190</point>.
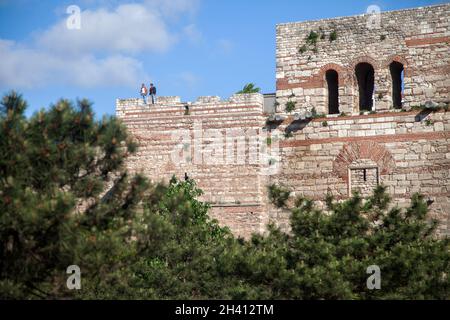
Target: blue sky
<point>187,48</point>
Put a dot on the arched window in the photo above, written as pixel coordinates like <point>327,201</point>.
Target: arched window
<point>366,77</point>
<point>333,91</point>
<point>397,69</point>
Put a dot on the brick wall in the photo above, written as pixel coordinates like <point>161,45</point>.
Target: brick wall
<point>409,150</point>
<point>201,139</point>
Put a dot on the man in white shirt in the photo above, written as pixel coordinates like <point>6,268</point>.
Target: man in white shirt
<point>144,93</point>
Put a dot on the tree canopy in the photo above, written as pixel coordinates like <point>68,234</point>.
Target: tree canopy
<point>66,198</point>
<point>249,88</point>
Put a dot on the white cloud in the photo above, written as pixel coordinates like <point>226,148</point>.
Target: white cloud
<point>174,8</point>
<point>103,52</point>
<point>29,68</point>
<point>129,28</point>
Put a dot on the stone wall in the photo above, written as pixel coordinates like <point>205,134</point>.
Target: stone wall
<point>211,141</point>
<point>417,39</point>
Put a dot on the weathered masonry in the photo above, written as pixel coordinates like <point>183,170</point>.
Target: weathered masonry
<point>355,86</point>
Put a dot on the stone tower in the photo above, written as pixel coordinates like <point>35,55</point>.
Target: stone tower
<point>365,62</point>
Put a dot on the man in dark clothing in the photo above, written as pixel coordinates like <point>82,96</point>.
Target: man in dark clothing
<point>152,92</point>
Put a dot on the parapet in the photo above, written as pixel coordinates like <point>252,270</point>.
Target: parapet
<point>246,102</point>
<point>170,100</point>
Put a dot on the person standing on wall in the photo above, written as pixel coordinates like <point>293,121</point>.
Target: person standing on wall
<point>144,93</point>
<point>152,92</point>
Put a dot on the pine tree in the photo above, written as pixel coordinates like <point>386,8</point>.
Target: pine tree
<point>55,169</point>
<point>326,254</point>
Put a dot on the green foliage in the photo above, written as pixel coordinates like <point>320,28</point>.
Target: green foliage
<point>290,106</point>
<point>333,36</point>
<point>311,41</point>
<point>288,134</point>
<point>327,254</point>
<point>269,141</point>
<point>315,114</point>
<point>249,88</point>
<point>49,164</point>
<point>278,195</point>
<point>312,37</point>
<point>324,124</point>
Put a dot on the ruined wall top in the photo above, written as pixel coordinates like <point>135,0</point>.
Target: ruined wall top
<point>205,103</point>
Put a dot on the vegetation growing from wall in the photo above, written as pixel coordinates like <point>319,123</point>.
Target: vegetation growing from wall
<point>249,88</point>
<point>312,39</point>
<point>333,36</point>
<point>290,106</point>
<point>278,195</point>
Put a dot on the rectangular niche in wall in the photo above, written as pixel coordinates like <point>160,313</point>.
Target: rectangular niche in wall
<point>363,179</point>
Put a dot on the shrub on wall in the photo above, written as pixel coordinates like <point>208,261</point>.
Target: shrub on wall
<point>288,134</point>
<point>302,49</point>
<point>249,88</point>
<point>312,38</point>
<point>333,36</point>
<point>290,106</point>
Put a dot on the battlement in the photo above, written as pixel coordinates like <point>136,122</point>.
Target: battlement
<point>203,104</point>
<point>362,15</point>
